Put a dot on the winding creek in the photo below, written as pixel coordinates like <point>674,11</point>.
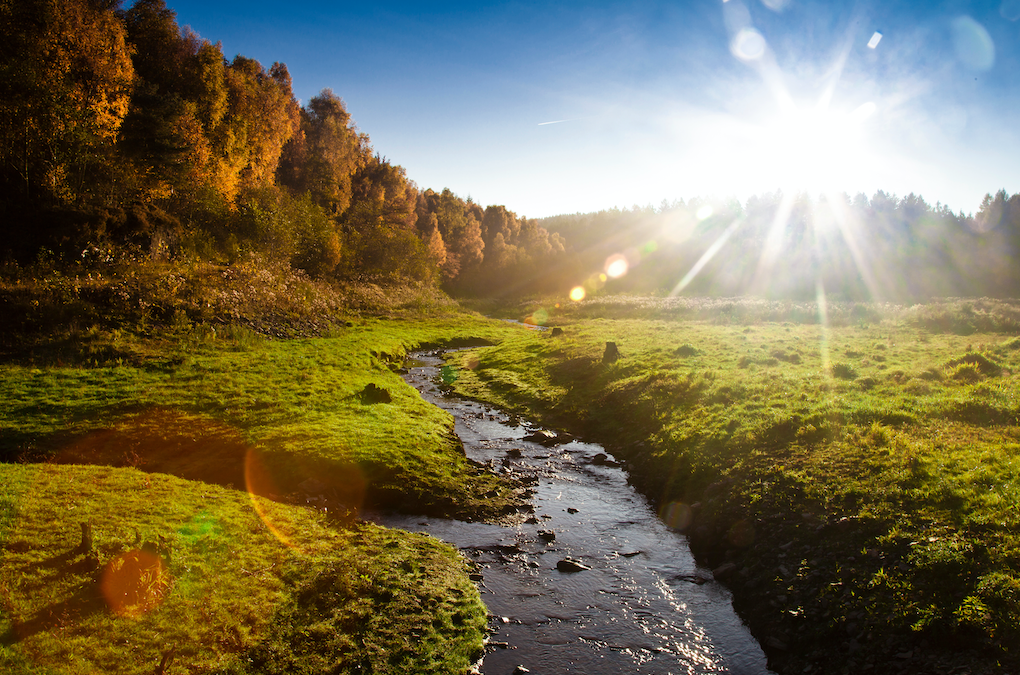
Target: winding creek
<point>638,604</point>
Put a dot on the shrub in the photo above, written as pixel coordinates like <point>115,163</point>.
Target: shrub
<point>844,371</point>
<point>966,372</point>
<point>980,362</point>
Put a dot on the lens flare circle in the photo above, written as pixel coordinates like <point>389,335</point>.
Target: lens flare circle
<point>677,515</point>
<point>1010,10</point>
<point>616,266</point>
<point>539,317</point>
<point>577,293</point>
<point>748,45</point>
<point>776,5</point>
<point>135,583</point>
<point>973,45</point>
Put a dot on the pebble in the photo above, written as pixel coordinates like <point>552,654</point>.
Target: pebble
<point>570,566</point>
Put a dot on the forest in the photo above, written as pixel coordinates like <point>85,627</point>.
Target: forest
<point>125,136</point>
<point>121,131</point>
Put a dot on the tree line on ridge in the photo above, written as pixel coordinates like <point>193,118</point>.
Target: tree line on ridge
<point>122,134</point>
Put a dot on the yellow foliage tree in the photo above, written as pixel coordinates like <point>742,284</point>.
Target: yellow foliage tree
<point>65,84</point>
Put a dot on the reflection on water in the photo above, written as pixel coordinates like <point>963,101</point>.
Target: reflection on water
<point>643,606</point>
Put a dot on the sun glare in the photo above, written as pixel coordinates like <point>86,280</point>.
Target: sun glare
<point>816,149</point>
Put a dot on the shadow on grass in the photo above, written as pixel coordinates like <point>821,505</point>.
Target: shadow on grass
<point>65,614</point>
<point>160,440</point>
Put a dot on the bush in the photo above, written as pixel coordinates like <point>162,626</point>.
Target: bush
<point>980,362</point>
<point>844,371</point>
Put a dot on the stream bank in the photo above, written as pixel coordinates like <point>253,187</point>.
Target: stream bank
<point>589,579</point>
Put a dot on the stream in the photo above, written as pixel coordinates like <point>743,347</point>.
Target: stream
<point>638,603</point>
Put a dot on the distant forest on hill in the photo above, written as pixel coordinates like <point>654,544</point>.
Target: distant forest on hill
<point>124,137</point>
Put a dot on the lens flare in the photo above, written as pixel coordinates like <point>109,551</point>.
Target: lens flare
<point>577,293</point>
<point>338,488</point>
<point>539,317</point>
<point>705,211</point>
<point>875,39</point>
<point>616,266</point>
<point>677,515</point>
<point>972,43</point>
<point>748,45</point>
<point>262,488</point>
<point>1010,10</point>
<point>135,583</point>
<point>706,257</point>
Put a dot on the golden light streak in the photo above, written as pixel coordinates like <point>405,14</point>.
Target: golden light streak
<point>706,257</point>
<point>773,242</point>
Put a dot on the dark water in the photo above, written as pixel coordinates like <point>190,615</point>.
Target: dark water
<point>643,606</point>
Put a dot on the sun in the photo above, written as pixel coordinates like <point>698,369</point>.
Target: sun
<point>815,149</point>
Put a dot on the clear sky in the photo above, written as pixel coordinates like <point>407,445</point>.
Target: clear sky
<point>562,107</point>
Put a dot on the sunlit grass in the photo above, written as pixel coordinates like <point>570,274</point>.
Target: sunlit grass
<point>250,585</point>
<point>231,596</point>
<point>907,432</point>
<point>299,403</point>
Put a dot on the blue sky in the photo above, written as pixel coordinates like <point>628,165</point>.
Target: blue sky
<point>563,107</point>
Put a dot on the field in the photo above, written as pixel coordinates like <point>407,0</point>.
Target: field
<point>850,474</point>
<point>250,557</point>
<point>183,576</point>
<point>856,482</point>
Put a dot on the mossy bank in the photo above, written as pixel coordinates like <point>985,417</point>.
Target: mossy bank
<point>223,472</point>
<point>179,575</point>
<point>855,482</point>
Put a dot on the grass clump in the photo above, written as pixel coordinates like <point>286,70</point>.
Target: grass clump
<point>844,371</point>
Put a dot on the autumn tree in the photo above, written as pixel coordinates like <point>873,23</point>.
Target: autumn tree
<point>262,115</point>
<point>324,154</point>
<point>164,135</point>
<point>379,226</point>
<point>459,228</point>
<point>65,83</point>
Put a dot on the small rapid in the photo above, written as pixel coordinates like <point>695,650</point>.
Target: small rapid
<point>629,598</point>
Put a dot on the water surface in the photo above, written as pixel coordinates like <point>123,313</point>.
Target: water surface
<point>643,606</point>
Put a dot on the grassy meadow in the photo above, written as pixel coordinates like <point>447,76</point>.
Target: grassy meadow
<point>851,476</point>
<point>221,471</point>
<point>184,576</point>
<point>296,407</point>
<point>856,482</point>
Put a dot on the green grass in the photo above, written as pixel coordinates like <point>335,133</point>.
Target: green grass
<point>298,403</point>
<point>784,429</point>
<point>178,370</point>
<point>244,584</point>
